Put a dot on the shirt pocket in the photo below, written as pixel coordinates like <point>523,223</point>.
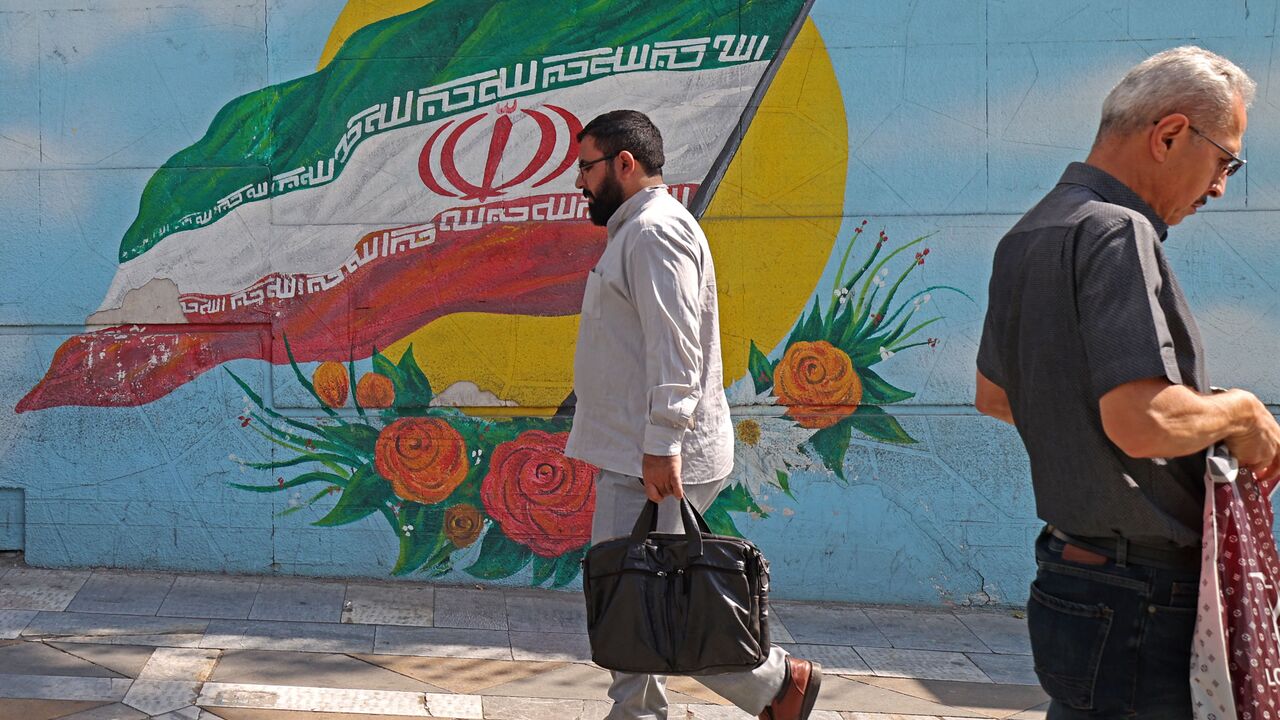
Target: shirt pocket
<point>591,295</point>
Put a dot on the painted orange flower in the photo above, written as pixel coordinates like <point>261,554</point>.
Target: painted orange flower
<point>425,459</point>
<point>331,383</point>
<point>541,499</point>
<point>375,390</point>
<point>817,382</point>
<point>462,524</point>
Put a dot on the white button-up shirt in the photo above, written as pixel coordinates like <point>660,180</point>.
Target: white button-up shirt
<point>647,371</point>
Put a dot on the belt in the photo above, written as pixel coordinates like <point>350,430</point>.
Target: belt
<point>1123,551</point>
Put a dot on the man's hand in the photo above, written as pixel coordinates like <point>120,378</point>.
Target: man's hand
<point>662,476</point>
<point>1257,446</point>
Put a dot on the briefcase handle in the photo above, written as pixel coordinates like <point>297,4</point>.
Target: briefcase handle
<point>694,525</point>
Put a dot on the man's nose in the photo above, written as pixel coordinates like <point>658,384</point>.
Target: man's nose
<point>1219,185</point>
<point>580,183</point>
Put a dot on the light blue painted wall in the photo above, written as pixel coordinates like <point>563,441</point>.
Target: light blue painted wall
<point>960,115</point>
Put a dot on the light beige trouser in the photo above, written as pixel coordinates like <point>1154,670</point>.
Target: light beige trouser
<point>619,500</point>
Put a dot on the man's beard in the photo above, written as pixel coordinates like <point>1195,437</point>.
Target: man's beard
<point>602,206</point>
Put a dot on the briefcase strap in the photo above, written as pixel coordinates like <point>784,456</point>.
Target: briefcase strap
<point>694,525</point>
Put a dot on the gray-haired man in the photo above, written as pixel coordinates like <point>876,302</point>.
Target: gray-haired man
<point>1090,349</point>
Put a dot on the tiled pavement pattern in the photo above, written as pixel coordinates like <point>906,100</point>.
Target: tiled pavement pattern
<point>101,645</point>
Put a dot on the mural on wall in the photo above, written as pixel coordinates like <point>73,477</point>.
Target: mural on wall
<point>357,210</point>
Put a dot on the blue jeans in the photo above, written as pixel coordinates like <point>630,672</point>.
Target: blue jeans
<point>1110,640</point>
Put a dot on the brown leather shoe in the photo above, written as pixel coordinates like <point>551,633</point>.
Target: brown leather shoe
<point>799,692</point>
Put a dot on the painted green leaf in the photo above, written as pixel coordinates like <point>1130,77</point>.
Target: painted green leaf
<point>543,569</point>
<point>500,556</point>
<point>423,541</point>
<point>298,460</point>
<point>357,436</point>
<point>784,482</point>
<point>416,388</point>
<point>736,498</point>
<point>568,567</point>
<point>366,493</point>
<point>760,368</point>
<point>302,479</point>
<point>383,366</point>
<point>813,325</point>
<point>809,327</point>
<point>304,382</point>
<point>876,391</point>
<point>832,443</point>
<point>720,522</point>
<point>878,425</point>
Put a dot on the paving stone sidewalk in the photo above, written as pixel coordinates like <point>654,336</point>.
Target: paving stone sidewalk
<point>112,644</point>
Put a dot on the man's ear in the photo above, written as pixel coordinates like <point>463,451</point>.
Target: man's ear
<point>627,163</point>
<point>1166,130</point>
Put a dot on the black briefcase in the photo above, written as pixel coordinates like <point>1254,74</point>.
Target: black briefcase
<point>688,604</point>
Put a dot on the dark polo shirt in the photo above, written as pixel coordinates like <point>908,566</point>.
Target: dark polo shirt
<point>1082,300</point>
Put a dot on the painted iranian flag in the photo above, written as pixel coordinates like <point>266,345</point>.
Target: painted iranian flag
<point>428,169</point>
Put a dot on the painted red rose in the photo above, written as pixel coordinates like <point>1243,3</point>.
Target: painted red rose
<point>425,459</point>
<point>539,497</point>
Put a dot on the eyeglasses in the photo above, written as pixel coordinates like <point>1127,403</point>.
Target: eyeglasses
<point>1234,164</point>
<point>583,167</point>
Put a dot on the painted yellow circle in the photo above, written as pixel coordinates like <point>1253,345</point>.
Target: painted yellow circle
<point>771,225</point>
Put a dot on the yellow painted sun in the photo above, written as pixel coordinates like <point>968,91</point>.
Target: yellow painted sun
<point>771,225</point>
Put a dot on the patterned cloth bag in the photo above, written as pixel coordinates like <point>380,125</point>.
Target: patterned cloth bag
<point>1235,659</point>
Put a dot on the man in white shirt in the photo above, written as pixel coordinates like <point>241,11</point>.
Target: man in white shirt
<point>651,411</point>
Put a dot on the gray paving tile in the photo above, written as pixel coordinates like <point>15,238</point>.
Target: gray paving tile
<point>33,658</point>
<point>332,700</point>
<point>474,609</point>
<point>114,711</point>
<point>116,629</point>
<point>965,699</point>
<point>38,589</point>
<point>127,660</point>
<point>1006,669</point>
<point>157,697</point>
<point>210,597</point>
<point>462,707</point>
<point>778,632</point>
<point>443,642</point>
<point>400,604</point>
<point>12,622</point>
<point>574,681</point>
<point>714,712</point>
<point>847,695</point>
<point>298,600</point>
<point>835,659</point>
<point>921,664</point>
<point>528,708</point>
<point>190,712</point>
<point>565,647</point>
<point>1001,632</point>
<point>267,667</point>
<point>1036,713</point>
<point>121,593</point>
<point>300,637</point>
<point>829,624</point>
<point>190,664</point>
<point>53,687</point>
<point>546,612</point>
<point>924,630</point>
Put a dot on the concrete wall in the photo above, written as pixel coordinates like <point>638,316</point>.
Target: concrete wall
<point>151,415</point>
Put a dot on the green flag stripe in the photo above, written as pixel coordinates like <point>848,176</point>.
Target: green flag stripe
<point>448,57</point>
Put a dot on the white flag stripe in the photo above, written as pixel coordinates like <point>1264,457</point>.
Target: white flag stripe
<point>381,187</point>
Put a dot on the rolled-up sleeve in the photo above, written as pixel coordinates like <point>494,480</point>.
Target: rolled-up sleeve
<point>664,277</point>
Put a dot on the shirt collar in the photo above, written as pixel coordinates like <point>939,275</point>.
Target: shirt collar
<point>633,205</point>
<point>1113,191</point>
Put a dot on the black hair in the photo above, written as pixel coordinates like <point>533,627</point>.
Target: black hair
<point>628,130</point>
